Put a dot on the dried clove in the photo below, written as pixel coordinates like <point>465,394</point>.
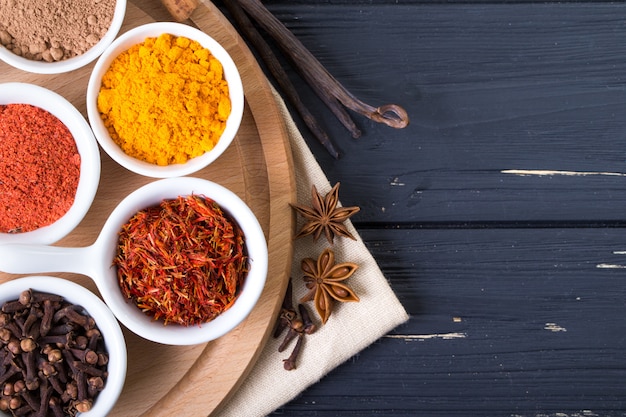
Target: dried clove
<point>25,297</point>
<point>54,355</point>
<point>28,344</point>
<point>55,406</point>
<point>29,399</point>
<point>83,406</point>
<point>4,403</point>
<point>53,359</point>
<point>13,307</point>
<point>94,336</point>
<point>69,312</point>
<point>95,384</point>
<point>85,355</point>
<point>294,330</point>
<point>14,346</point>
<point>81,386</point>
<point>60,340</point>
<point>33,315</point>
<point>55,383</point>
<point>45,393</point>
<point>5,335</point>
<point>61,329</point>
<point>287,312</point>
<point>290,363</point>
<point>89,369</point>
<point>103,359</point>
<point>309,326</point>
<point>46,318</point>
<point>13,370</point>
<point>297,327</point>
<point>30,373</point>
<point>13,328</point>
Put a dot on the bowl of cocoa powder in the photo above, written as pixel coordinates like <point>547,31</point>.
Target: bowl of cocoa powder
<point>52,37</point>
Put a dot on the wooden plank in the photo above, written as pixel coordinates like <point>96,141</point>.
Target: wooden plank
<point>516,322</point>
<point>495,91</point>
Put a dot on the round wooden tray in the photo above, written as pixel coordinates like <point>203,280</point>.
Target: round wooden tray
<point>195,380</point>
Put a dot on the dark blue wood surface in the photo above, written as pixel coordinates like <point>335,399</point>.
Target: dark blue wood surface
<point>497,215</point>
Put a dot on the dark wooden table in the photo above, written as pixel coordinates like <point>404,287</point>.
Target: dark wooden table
<point>497,216</point>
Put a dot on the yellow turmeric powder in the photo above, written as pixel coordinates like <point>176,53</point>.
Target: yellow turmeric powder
<point>165,101</point>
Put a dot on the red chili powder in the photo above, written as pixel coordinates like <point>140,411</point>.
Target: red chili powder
<point>39,168</point>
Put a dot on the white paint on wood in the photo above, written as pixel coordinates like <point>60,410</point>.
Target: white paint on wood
<point>544,172</point>
<point>611,266</point>
<point>422,337</point>
<point>553,327</point>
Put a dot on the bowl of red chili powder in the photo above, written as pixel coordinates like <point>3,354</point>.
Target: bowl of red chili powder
<point>49,165</point>
<point>52,37</point>
<point>165,100</point>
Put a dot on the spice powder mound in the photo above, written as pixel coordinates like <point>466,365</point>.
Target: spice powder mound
<point>182,261</point>
<point>39,168</point>
<point>53,30</point>
<point>165,101</point>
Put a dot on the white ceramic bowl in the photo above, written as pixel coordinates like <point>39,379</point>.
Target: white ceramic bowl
<point>54,103</point>
<point>95,261</point>
<point>105,320</point>
<point>79,61</point>
<point>136,36</point>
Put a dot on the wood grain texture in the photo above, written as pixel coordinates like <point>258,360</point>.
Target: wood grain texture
<point>497,215</point>
<point>503,323</point>
<point>194,380</point>
<point>489,88</point>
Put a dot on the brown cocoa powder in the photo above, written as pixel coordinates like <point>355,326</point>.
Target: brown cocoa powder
<point>53,30</point>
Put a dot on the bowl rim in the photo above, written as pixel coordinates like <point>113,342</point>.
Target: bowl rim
<point>106,321</point>
<point>70,64</point>
<point>135,36</point>
<point>131,316</point>
<point>90,164</point>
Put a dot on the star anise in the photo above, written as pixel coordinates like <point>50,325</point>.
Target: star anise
<point>325,216</point>
<point>324,279</point>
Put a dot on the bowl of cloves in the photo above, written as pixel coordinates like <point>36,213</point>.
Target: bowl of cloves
<point>62,352</point>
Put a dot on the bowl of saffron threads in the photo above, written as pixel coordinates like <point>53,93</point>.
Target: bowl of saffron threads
<point>53,37</point>
<point>49,165</point>
<point>165,100</point>
<point>179,261</point>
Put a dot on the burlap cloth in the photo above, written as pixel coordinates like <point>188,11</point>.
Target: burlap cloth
<point>351,326</point>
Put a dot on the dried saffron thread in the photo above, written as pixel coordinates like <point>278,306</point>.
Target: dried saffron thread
<point>182,261</point>
<point>39,168</point>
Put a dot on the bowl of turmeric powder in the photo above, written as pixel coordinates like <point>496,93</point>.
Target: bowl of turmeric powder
<point>165,100</point>
<point>49,165</point>
<point>46,37</point>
